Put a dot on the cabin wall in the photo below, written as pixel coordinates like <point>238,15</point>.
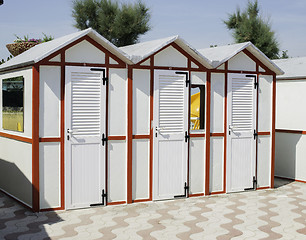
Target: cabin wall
<point>16,155</point>
<point>197,147</point>
<point>217,132</point>
<point>141,126</point>
<point>290,121</point>
<point>117,127</point>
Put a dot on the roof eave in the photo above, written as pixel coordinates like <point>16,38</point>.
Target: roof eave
<point>14,67</point>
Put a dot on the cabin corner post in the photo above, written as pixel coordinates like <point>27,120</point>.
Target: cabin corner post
<point>35,139</point>
<point>207,157</point>
<point>273,129</point>
<point>130,135</point>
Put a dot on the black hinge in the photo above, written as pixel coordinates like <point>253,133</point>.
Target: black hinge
<point>255,134</point>
<point>186,191</point>
<point>187,79</point>
<point>187,137</point>
<point>104,202</point>
<point>104,78</point>
<point>254,185</point>
<point>255,80</point>
<point>104,139</point>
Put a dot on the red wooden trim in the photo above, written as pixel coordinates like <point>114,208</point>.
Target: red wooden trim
<point>49,139</point>
<point>196,195</point>
<point>62,131</point>
<point>16,199</point>
<point>197,135</point>
<point>151,126</point>
<point>106,122</point>
<point>273,131</point>
<point>51,209</point>
<point>116,203</point>
<point>35,139</point>
<point>262,188</point>
<point>293,78</point>
<point>290,131</point>
<point>236,71</point>
<point>17,138</point>
<point>255,59</point>
<point>225,126</point>
<point>217,134</point>
<point>215,193</point>
<point>78,64</point>
<point>188,56</point>
<point>291,179</point>
<point>170,68</point>
<point>112,138</point>
<point>207,156</point>
<point>130,136</point>
<point>97,45</point>
<point>141,136</point>
<point>263,133</point>
<point>141,200</point>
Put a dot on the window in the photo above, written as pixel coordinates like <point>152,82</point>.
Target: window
<point>12,103</point>
<point>197,107</point>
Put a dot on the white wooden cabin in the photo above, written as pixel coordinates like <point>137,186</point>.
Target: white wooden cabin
<point>290,159</point>
<point>108,125</point>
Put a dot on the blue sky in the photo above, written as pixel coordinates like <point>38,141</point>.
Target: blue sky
<point>199,22</point>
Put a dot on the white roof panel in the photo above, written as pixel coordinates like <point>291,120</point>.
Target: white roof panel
<point>293,67</point>
<point>40,51</point>
<point>219,55</point>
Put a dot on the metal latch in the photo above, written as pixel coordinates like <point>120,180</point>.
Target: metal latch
<point>255,134</point>
<point>104,139</point>
<point>186,191</point>
<point>187,137</point>
<point>187,79</point>
<point>255,80</point>
<point>104,202</point>
<point>104,78</point>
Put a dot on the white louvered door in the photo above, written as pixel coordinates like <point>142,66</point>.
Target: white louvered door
<point>241,126</point>
<point>85,124</point>
<point>170,124</point>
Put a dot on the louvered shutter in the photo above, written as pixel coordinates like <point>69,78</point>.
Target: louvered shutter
<point>86,103</point>
<point>242,104</point>
<point>171,104</point>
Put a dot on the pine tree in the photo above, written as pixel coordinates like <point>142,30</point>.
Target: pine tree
<point>121,24</point>
<point>248,25</point>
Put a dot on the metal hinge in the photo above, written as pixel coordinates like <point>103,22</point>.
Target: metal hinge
<point>187,137</point>
<point>104,202</point>
<point>104,78</point>
<point>254,185</point>
<point>186,191</point>
<point>255,134</point>
<point>255,80</point>
<point>104,139</point>
<point>187,79</point>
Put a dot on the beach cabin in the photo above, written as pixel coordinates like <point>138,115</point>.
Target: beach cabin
<point>291,119</point>
<point>92,124</point>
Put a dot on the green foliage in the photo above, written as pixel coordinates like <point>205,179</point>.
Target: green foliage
<point>248,25</point>
<point>121,24</point>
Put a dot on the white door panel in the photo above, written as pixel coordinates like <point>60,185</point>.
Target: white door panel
<point>85,124</point>
<point>170,125</point>
<point>241,127</point>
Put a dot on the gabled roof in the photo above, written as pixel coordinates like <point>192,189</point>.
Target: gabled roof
<point>219,55</point>
<point>293,67</point>
<point>43,50</point>
<point>140,51</point>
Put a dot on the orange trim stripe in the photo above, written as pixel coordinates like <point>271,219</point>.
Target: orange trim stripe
<point>49,139</point>
<point>273,130</point>
<point>111,138</point>
<point>141,200</point>
<point>262,188</point>
<point>116,203</point>
<point>130,136</point>
<point>35,137</point>
<point>217,134</point>
<point>17,138</point>
<point>263,133</point>
<point>196,195</point>
<point>215,193</point>
<point>141,136</point>
<point>290,131</point>
<point>197,135</point>
<point>207,156</point>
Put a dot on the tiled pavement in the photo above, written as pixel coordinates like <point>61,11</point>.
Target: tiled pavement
<point>265,214</point>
